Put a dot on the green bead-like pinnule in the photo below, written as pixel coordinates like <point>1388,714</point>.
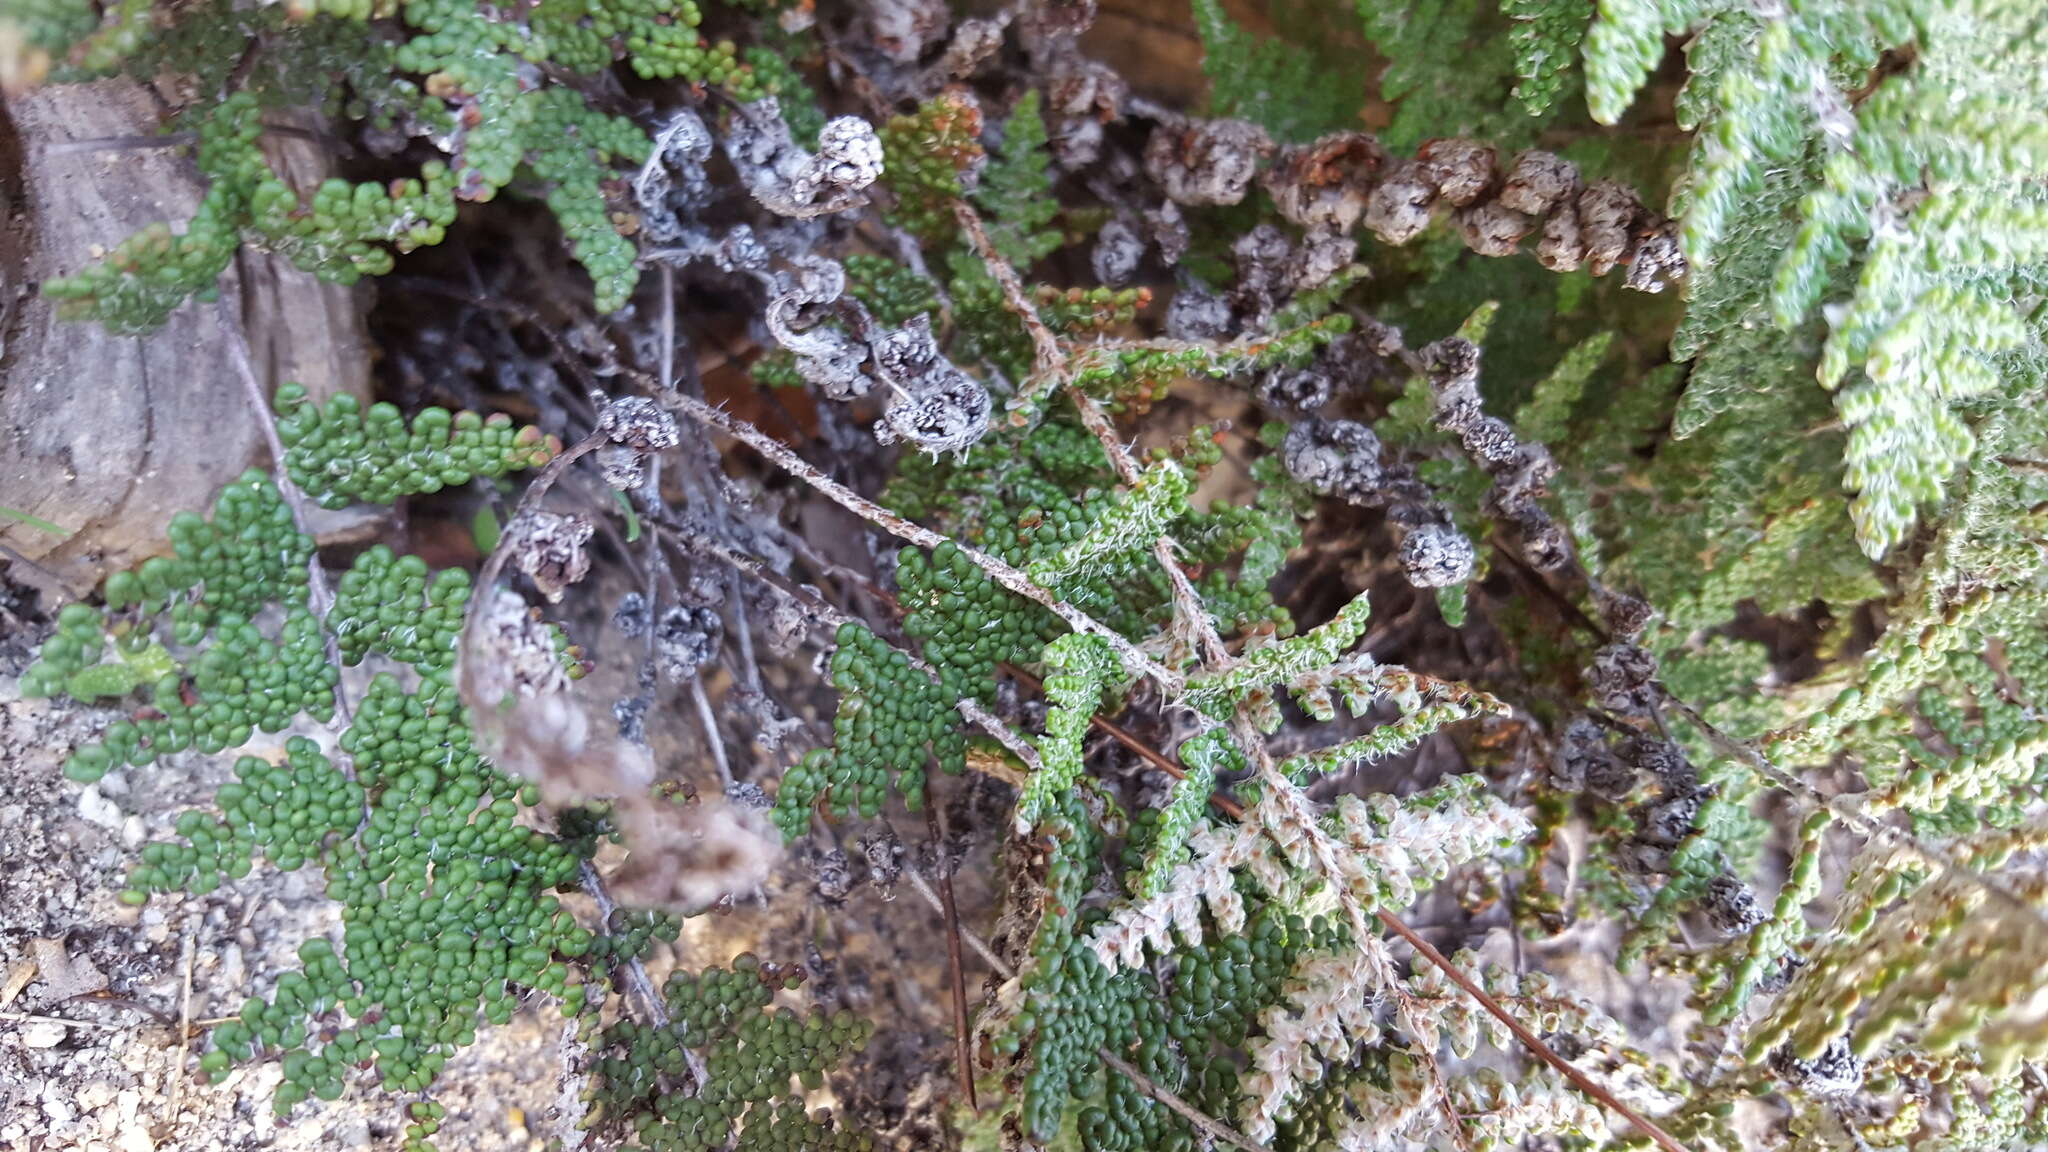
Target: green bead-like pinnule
<point>395,606</point>
<point>340,452</point>
<point>893,719</point>
<point>924,154</point>
<point>895,293</point>
<point>750,1050</point>
<point>221,678</point>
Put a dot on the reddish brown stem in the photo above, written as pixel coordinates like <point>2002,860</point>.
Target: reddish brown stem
<point>1529,1039</point>
<point>962,1052</point>
<point>1222,802</point>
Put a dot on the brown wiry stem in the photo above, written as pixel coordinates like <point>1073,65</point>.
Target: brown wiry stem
<point>1222,801</point>
<point>691,540</point>
<point>963,1055</point>
<point>190,952</point>
<point>1529,1040</point>
<point>1215,658</point>
<point>1187,603</point>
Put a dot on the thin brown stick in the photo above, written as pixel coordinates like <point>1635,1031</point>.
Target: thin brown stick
<point>1530,1040</point>
<point>1187,603</point>
<point>156,1014</point>
<point>34,1018</point>
<point>963,1055</point>
<point>177,1099</point>
<point>709,720</point>
<point>1045,347</point>
<point>1208,1125</point>
<point>1219,800</point>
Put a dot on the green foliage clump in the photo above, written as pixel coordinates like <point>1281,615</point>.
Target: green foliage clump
<point>1451,70</point>
<point>1131,379</point>
<point>440,64</point>
<point>1760,568</point>
<point>446,909</point>
<point>340,452</point>
<point>1278,85</point>
<point>203,599</point>
<point>893,720</point>
<point>1914,223</point>
<point>894,294</point>
<point>927,158</point>
<point>1015,189</point>
<point>1014,496</point>
<point>1546,38</point>
<point>284,812</point>
<point>445,879</point>
<point>145,277</point>
<point>1077,311</point>
<point>444,890</point>
<point>750,1052</point>
<point>398,607</point>
<point>1077,668</point>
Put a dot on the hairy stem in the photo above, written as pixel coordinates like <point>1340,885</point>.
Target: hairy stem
<point>1002,573</point>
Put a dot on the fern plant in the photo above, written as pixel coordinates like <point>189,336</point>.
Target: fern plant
<point>1274,547</point>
